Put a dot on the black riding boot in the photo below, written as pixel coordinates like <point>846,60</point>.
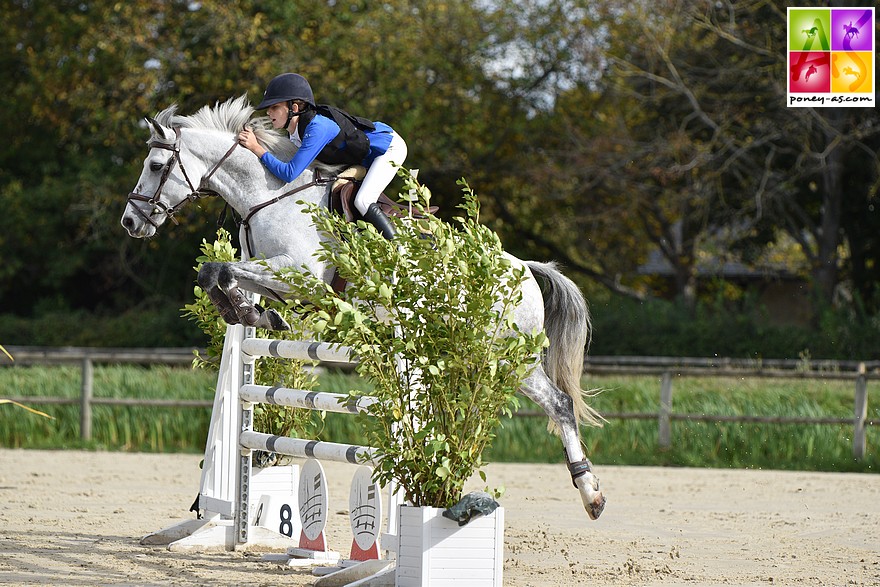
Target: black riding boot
<point>377,218</point>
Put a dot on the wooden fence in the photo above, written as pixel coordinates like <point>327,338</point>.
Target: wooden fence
<point>664,368</point>
<point>87,357</point>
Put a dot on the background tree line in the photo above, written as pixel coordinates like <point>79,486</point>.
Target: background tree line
<point>599,135</point>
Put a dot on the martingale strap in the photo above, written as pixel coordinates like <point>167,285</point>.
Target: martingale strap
<point>317,179</point>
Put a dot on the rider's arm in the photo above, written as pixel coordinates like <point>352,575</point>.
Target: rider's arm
<point>318,134</point>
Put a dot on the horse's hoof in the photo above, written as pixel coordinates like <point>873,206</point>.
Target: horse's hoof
<point>596,508</point>
<point>276,321</point>
<point>591,495</point>
<point>272,320</point>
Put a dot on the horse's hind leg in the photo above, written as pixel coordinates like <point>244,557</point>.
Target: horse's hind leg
<point>559,408</point>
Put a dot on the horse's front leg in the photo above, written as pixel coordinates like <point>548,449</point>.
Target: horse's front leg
<point>560,409</point>
<point>208,280</point>
<point>224,284</point>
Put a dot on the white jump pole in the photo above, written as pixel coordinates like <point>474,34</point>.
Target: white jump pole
<point>225,496</point>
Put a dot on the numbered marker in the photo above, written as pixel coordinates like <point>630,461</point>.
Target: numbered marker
<point>365,514</point>
<point>312,505</point>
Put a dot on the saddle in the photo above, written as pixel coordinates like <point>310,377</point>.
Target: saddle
<point>342,196</point>
<point>345,189</point>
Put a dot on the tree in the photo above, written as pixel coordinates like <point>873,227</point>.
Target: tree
<point>596,133</point>
<point>687,143</point>
<point>819,165</point>
<point>80,79</point>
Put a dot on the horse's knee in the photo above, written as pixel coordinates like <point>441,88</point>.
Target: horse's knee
<point>211,274</point>
<point>207,277</point>
<point>225,277</point>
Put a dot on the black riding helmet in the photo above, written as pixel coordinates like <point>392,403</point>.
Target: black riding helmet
<point>286,88</point>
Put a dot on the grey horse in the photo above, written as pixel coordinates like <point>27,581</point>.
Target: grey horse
<point>276,233</point>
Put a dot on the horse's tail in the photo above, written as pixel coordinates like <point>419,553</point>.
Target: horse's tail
<point>568,328</point>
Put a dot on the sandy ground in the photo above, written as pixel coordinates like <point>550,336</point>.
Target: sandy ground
<point>76,518</point>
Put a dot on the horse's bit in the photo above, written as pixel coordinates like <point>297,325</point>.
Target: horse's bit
<point>158,206</point>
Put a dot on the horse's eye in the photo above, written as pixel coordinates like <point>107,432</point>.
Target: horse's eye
<point>156,166</point>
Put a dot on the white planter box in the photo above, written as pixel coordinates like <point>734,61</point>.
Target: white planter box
<point>434,551</point>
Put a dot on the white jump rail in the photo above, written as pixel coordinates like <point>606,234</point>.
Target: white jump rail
<point>295,349</point>
<point>308,449</point>
<point>309,400</point>
<point>224,500</point>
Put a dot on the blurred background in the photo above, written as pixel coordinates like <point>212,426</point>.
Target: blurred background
<point>646,146</point>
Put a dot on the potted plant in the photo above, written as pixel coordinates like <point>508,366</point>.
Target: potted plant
<point>429,315</point>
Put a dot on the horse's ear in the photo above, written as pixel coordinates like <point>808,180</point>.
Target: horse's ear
<point>157,128</point>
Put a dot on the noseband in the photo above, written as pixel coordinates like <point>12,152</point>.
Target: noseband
<point>155,201</point>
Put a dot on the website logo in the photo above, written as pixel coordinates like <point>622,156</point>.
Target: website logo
<point>831,59</point>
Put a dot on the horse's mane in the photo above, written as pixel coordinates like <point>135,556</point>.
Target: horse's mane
<point>230,116</point>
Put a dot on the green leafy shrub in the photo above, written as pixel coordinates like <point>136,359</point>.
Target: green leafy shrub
<point>268,418</point>
<point>430,319</point>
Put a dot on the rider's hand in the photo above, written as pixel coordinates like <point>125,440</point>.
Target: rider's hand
<point>248,140</point>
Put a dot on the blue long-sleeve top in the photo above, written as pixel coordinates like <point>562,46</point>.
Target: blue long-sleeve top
<point>318,134</point>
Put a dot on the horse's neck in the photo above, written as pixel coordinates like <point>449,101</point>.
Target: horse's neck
<point>244,183</point>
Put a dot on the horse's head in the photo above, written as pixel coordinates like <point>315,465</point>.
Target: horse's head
<point>174,174</point>
<point>166,182</point>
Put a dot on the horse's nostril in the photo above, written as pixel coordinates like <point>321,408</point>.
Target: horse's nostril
<point>127,223</point>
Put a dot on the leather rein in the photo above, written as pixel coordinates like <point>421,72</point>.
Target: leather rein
<point>159,207</point>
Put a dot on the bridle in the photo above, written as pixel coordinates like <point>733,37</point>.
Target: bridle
<point>159,207</point>
<point>155,201</point>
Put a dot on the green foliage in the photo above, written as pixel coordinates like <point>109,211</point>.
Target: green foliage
<point>733,444</point>
<point>202,311</point>
<point>620,326</point>
<point>741,330</point>
<point>620,132</point>
<point>156,326</point>
<point>268,418</point>
<point>128,428</point>
<point>429,316</point>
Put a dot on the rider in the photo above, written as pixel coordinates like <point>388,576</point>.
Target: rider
<point>291,105</point>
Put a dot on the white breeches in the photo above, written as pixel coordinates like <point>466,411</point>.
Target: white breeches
<point>381,172</point>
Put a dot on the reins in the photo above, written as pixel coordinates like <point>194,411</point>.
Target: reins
<point>196,193</point>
